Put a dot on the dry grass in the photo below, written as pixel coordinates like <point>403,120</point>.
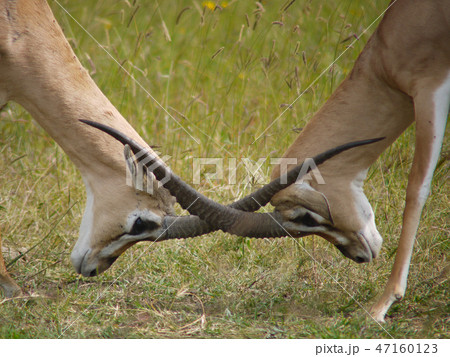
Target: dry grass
<point>225,75</point>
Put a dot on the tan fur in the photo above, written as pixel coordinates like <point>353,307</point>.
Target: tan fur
<point>39,70</point>
<point>391,85</point>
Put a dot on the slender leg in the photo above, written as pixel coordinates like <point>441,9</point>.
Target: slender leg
<point>431,109</point>
<point>7,284</point>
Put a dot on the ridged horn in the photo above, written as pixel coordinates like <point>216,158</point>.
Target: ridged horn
<point>237,218</point>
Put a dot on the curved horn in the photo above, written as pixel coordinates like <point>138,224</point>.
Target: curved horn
<point>265,225</point>
<point>236,218</point>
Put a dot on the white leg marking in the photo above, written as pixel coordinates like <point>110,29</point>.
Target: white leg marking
<point>441,101</point>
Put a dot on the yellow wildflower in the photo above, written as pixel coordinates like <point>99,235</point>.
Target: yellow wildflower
<point>211,5</point>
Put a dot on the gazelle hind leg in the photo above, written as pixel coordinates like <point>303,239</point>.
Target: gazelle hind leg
<point>7,284</point>
<point>431,110</point>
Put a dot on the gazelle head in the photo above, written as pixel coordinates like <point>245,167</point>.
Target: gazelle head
<point>40,71</point>
<point>116,217</point>
<point>337,211</point>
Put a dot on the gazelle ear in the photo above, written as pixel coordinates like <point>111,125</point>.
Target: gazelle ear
<point>302,194</point>
<point>130,161</point>
<point>316,202</point>
<point>137,174</point>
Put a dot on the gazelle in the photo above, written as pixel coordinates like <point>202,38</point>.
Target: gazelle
<point>401,76</point>
<point>39,70</point>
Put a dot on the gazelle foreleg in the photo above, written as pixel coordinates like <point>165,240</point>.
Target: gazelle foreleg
<point>431,111</point>
<point>7,284</point>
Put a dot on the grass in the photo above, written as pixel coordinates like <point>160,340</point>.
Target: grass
<point>225,75</point>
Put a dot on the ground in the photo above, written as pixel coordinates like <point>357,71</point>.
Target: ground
<point>225,75</point>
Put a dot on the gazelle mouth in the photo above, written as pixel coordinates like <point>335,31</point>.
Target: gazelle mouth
<point>360,251</point>
<point>358,258</point>
<point>79,261</point>
<point>368,255</point>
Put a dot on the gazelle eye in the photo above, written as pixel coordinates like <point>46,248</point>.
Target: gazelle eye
<point>140,226</point>
<point>306,220</point>
<point>309,221</point>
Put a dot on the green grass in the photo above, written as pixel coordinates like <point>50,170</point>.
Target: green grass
<point>216,286</point>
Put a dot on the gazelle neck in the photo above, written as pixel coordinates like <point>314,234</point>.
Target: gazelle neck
<point>353,113</point>
<point>40,71</point>
<point>43,74</point>
<point>59,111</point>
